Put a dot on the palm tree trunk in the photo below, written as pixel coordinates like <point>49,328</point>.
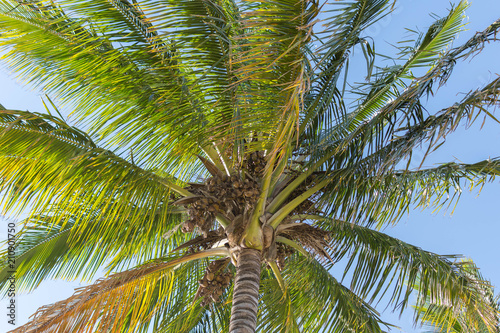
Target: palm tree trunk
<point>246,292</point>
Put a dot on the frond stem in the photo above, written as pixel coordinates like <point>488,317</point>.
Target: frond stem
<point>285,193</point>
<point>213,155</point>
<point>176,188</point>
<point>253,234</point>
<point>223,221</point>
<point>281,214</point>
<point>277,274</point>
<point>291,243</point>
<point>307,217</point>
<point>218,251</point>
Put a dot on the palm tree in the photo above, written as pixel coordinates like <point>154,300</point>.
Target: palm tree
<point>216,142</point>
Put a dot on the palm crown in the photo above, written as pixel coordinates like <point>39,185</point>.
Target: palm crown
<point>222,174</point>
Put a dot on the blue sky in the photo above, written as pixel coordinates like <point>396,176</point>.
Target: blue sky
<point>474,227</point>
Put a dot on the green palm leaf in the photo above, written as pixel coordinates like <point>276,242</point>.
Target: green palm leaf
<point>381,199</point>
<point>36,148</point>
<point>379,259</point>
<point>45,250</point>
<point>441,317</point>
<point>316,300</point>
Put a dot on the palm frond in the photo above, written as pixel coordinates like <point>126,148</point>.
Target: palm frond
<point>47,250</point>
<point>324,105</point>
<point>277,315</point>
<point>317,301</point>
<point>44,162</point>
<point>385,198</point>
<point>379,130</point>
<point>186,314</point>
<point>379,261</point>
<point>345,23</point>
<point>440,316</point>
<point>374,106</point>
<point>270,53</point>
<point>123,300</point>
<point>87,62</point>
<point>364,153</point>
<point>429,49</point>
<point>349,159</point>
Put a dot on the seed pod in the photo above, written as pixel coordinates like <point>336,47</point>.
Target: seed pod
<point>187,226</point>
<point>210,276</point>
<point>203,282</point>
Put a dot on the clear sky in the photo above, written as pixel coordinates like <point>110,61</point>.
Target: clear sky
<point>474,227</point>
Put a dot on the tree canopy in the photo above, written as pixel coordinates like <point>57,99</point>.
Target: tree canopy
<point>220,159</point>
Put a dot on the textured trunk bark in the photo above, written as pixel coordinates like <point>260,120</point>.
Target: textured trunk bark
<point>246,292</point>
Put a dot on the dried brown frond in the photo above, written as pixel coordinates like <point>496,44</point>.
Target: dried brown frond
<point>105,305</point>
<point>212,168</point>
<point>310,237</point>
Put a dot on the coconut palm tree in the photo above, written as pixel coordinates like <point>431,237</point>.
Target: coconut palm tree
<point>219,175</point>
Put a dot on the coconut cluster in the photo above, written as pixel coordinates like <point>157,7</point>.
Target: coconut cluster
<point>201,214</point>
<point>255,163</point>
<point>223,194</point>
<point>214,282</point>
